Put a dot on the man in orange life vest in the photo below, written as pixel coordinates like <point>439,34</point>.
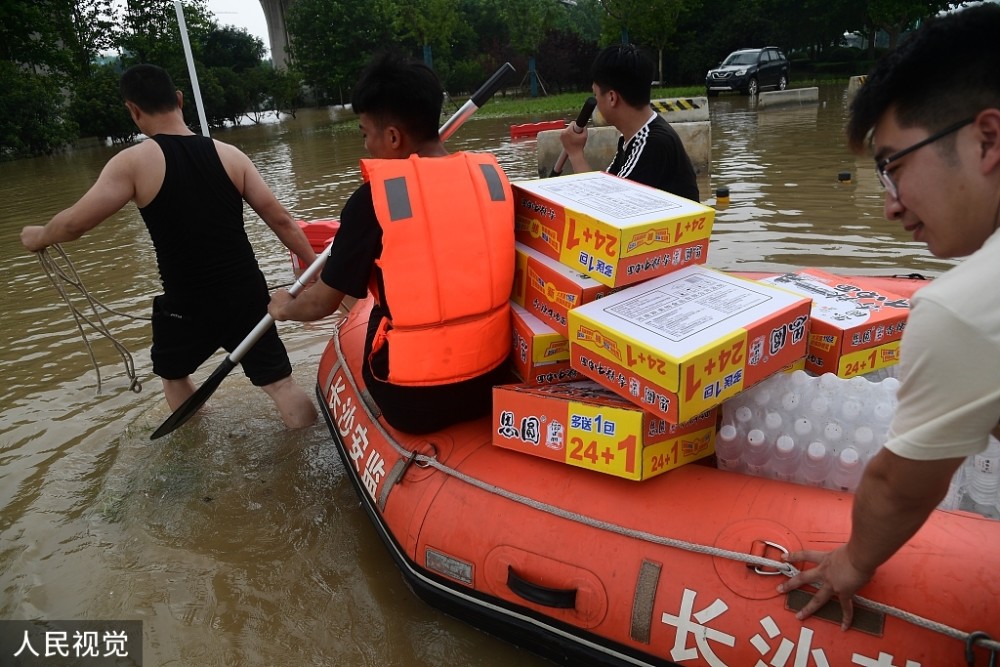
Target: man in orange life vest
<point>431,235</point>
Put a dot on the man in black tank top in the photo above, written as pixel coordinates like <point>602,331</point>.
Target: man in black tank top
<point>190,192</point>
<point>649,151</point>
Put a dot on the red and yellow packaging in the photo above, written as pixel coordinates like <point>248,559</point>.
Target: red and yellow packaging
<point>319,233</point>
<point>614,230</point>
<point>680,344</point>
<point>548,289</point>
<point>540,355</point>
<point>583,424</point>
<point>856,325</point>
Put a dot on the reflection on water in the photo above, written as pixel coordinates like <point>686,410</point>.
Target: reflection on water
<point>787,206</point>
<point>235,541</point>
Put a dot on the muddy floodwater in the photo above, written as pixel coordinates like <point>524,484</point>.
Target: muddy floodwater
<point>234,541</point>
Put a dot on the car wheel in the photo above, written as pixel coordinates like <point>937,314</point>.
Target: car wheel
<point>751,88</point>
<point>782,82</point>
<point>711,93</point>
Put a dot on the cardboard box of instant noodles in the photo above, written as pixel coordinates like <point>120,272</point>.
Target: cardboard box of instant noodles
<point>540,354</point>
<point>680,344</point>
<point>856,324</point>
<point>616,231</point>
<point>585,425</point>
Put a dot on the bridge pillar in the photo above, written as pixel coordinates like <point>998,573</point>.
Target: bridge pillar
<point>274,14</point>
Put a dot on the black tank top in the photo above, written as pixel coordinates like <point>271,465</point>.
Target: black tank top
<point>196,221</point>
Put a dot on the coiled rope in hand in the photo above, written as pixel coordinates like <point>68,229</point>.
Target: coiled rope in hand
<point>62,273</point>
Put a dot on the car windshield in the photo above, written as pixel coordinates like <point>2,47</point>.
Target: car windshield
<point>745,58</point>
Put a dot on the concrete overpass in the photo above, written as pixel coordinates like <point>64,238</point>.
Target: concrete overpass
<point>274,14</point>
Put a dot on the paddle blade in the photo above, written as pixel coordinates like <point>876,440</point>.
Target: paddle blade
<point>195,401</point>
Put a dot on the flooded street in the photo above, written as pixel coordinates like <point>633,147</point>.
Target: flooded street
<point>235,541</point>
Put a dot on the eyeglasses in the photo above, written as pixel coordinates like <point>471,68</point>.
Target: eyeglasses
<point>883,176</point>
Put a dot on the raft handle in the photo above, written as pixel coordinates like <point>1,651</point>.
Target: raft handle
<point>560,598</point>
<point>970,643</point>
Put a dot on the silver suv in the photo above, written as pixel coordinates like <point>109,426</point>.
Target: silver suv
<point>749,71</point>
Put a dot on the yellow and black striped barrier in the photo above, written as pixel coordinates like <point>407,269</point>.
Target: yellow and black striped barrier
<point>678,104</point>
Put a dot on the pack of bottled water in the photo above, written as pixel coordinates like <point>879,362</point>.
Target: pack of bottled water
<point>976,487</point>
<point>823,430</point>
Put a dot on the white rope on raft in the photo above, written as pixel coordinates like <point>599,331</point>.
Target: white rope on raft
<point>979,639</point>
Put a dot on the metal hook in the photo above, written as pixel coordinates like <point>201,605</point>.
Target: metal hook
<point>770,573</point>
<point>970,643</point>
<point>425,462</point>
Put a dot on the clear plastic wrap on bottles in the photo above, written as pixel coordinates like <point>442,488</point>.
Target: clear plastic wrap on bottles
<point>800,409</point>
<point>982,481</point>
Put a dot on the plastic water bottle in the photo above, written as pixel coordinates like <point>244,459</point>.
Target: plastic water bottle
<point>819,407</point>
<point>761,400</point>
<point>772,424</point>
<point>744,418</point>
<point>790,401</point>
<point>800,380</point>
<point>859,389</point>
<point>785,459</point>
<point>882,413</point>
<point>798,391</point>
<point>850,409</point>
<point>831,388</point>
<point>829,382</point>
<point>728,449</point>
<point>802,428</point>
<point>847,469</point>
<point>863,440</point>
<point>757,452</point>
<point>815,466</point>
<point>982,484</point>
<point>833,433</point>
<point>890,386</point>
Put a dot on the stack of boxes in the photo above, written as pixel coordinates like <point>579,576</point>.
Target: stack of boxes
<point>614,267</point>
<point>857,325</point>
<point>627,345</point>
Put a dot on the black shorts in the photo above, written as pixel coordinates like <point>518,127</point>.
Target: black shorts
<point>186,334</point>
<point>423,409</point>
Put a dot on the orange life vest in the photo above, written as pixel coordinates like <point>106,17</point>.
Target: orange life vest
<point>447,265</point>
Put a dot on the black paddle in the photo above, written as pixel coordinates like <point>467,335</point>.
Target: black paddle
<point>198,398</point>
<point>581,121</point>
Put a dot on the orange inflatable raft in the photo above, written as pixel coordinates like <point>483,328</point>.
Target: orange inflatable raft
<point>679,569</point>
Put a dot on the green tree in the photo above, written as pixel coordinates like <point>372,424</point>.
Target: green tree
<point>896,16</point>
<point>528,22</point>
<point>332,40</point>
<point>97,107</point>
<point>429,23</point>
<point>31,113</point>
<point>583,18</point>
<point>150,33</point>
<point>285,88</point>
<point>30,34</point>
<point>233,48</point>
<point>653,22</point>
<point>90,31</point>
